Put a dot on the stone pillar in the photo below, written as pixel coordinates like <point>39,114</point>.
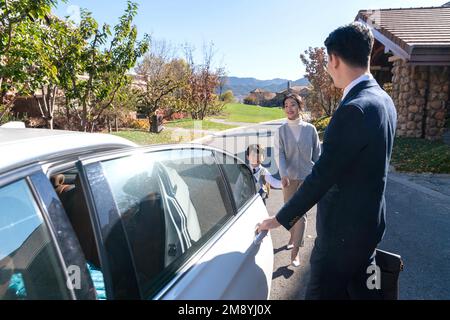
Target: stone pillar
<point>437,102</point>
<point>408,91</point>
<point>420,94</point>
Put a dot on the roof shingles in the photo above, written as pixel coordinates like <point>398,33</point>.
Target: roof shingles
<point>422,33</point>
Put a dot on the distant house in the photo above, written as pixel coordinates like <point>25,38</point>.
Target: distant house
<point>274,99</point>
<point>27,106</point>
<point>411,57</point>
<point>302,91</point>
<point>259,97</point>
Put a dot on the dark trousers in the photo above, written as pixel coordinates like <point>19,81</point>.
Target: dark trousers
<point>340,275</point>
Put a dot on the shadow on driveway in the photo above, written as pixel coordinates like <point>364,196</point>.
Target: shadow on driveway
<point>282,272</point>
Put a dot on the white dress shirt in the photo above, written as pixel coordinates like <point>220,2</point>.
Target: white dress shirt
<point>260,170</point>
<point>364,77</point>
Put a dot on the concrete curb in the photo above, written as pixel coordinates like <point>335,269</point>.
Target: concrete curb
<point>210,137</point>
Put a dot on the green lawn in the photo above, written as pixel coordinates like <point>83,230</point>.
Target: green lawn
<point>169,135</point>
<point>198,125</point>
<point>144,138</point>
<point>238,112</point>
<point>418,155</point>
<point>166,136</point>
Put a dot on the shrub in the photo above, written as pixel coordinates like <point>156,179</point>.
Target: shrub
<point>228,97</point>
<point>250,100</point>
<point>322,123</point>
<point>388,88</point>
<point>170,114</point>
<point>138,124</point>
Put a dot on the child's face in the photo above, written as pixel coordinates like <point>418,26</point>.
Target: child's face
<point>254,159</point>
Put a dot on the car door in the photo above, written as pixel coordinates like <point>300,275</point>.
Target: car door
<point>168,223</point>
<point>233,267</point>
<point>39,255</point>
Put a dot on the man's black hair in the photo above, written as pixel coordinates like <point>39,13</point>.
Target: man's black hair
<point>353,43</point>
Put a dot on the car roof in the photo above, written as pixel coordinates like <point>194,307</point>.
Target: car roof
<point>22,146</point>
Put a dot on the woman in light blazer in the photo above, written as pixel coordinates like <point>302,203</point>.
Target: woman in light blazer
<point>297,148</point>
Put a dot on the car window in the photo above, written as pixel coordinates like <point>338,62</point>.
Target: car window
<point>240,179</point>
<point>170,203</point>
<point>29,267</point>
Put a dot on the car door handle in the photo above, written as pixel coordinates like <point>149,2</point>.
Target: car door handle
<point>172,250</point>
<point>259,237</point>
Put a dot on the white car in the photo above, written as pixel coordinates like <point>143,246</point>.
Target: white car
<point>93,216</point>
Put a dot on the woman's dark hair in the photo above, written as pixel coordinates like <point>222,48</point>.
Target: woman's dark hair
<point>295,97</point>
<point>353,43</point>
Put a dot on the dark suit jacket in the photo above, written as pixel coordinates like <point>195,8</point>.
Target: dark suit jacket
<point>349,179</point>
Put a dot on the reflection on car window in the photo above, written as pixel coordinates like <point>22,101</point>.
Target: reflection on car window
<point>29,268</point>
<point>241,180</point>
<point>170,203</point>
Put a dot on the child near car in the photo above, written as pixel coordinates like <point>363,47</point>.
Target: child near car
<point>263,179</point>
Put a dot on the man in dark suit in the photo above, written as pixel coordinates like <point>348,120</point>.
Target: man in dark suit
<point>350,177</point>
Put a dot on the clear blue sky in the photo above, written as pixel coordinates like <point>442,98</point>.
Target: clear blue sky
<point>253,38</point>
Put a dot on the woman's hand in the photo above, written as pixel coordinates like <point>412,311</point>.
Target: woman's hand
<point>285,182</point>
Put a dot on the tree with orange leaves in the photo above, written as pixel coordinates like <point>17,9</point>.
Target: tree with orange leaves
<point>324,97</point>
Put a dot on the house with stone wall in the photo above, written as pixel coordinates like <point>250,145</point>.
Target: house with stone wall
<point>411,59</point>
<point>27,106</point>
<point>266,98</point>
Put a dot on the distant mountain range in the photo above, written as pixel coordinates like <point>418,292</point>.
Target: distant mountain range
<point>241,87</point>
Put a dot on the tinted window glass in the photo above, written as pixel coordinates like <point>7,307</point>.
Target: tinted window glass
<point>241,180</point>
<point>170,202</point>
<point>29,267</point>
